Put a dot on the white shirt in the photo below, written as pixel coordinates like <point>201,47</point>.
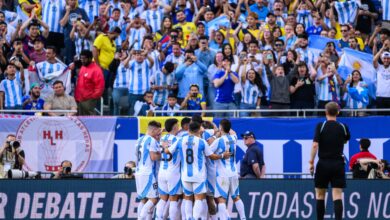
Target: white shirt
<point>383,81</point>
<point>145,165</point>
<point>225,167</point>
<point>170,163</point>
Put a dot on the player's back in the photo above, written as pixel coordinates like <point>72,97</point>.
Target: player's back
<point>193,152</point>
<point>145,145</point>
<point>226,167</point>
<point>170,163</point>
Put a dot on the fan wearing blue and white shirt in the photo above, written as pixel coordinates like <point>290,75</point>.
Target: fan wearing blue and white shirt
<point>194,151</point>
<point>227,174</point>
<point>301,47</point>
<point>154,15</point>
<point>51,65</point>
<point>163,82</point>
<point>121,83</point>
<point>51,15</point>
<point>117,21</point>
<point>136,31</point>
<point>91,7</point>
<point>148,153</point>
<point>11,88</point>
<point>169,182</point>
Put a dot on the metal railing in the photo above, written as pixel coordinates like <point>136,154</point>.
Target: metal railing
<point>36,111</point>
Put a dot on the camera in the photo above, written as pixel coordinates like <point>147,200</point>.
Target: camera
<point>13,144</point>
<point>128,171</point>
<point>21,174</point>
<point>66,170</point>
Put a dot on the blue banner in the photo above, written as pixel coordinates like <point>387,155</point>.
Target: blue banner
<point>116,199</point>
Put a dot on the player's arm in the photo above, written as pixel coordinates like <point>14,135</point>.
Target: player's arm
<point>224,155</point>
<point>155,153</point>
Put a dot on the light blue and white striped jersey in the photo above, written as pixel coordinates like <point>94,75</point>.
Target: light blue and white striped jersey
<point>182,133</point>
<point>250,93</point>
<point>160,97</point>
<point>137,34</point>
<point>116,5</point>
<point>210,164</point>
<point>45,68</point>
<point>357,97</point>
<point>51,14</point>
<point>122,25</point>
<point>175,60</point>
<point>122,76</point>
<point>386,10</point>
<point>346,11</point>
<point>82,43</point>
<point>10,16</point>
<point>153,18</point>
<point>304,17</point>
<point>91,7</point>
<point>226,167</point>
<point>170,163</point>
<point>139,81</point>
<point>13,92</point>
<point>145,165</point>
<point>324,93</point>
<point>306,55</point>
<point>193,151</point>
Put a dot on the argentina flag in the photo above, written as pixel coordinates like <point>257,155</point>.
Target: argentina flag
<point>215,24</point>
<point>347,11</point>
<point>318,43</point>
<point>386,10</point>
<point>356,60</point>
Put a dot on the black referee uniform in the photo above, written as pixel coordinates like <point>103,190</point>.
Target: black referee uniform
<point>331,137</point>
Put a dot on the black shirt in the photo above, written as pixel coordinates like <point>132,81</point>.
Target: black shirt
<point>306,92</point>
<point>331,137</point>
<point>252,155</point>
<point>364,22</point>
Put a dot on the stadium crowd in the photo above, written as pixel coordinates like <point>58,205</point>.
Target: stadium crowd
<point>191,54</point>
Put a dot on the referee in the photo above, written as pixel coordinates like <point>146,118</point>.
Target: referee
<point>329,139</point>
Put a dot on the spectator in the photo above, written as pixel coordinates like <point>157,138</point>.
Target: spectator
<point>192,71</point>
<point>383,77</point>
<point>33,24</point>
<point>137,30</point>
<point>128,171</point>
<point>30,7</point>
<point>204,54</point>
<point>171,106</point>
<point>33,101</point>
<point>224,82</point>
<point>121,82</point>
<point>18,54</point>
<point>329,85</point>
<point>12,156</point>
<point>162,83</point>
<point>194,100</point>
<point>82,36</point>
<point>364,144</point>
<point>252,165</point>
<point>52,11</point>
<point>305,54</point>
<point>356,92</point>
<point>146,106</point>
<point>302,87</point>
<point>259,8</point>
<point>279,83</point>
<point>187,27</point>
<point>39,54</point>
<point>212,70</point>
<point>11,87</point>
<point>60,101</point>
<point>343,42</point>
<point>366,14</point>
<point>89,86</point>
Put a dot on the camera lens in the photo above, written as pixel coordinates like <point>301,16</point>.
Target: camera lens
<point>15,144</point>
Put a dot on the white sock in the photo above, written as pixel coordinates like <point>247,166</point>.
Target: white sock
<point>160,209</point>
<point>240,208</point>
<point>140,206</point>
<point>199,212</point>
<point>182,205</point>
<point>205,209</point>
<point>188,208</point>
<point>222,211</point>
<point>213,217</point>
<point>166,210</point>
<point>173,210</point>
<point>147,209</point>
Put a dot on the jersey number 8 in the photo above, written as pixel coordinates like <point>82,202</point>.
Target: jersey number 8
<point>189,156</point>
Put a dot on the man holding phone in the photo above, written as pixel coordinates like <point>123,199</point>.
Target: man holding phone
<point>206,56</point>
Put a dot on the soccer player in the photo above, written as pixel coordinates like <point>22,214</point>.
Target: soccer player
<point>184,127</point>
<point>148,153</point>
<point>169,184</point>
<point>227,175</point>
<point>194,151</point>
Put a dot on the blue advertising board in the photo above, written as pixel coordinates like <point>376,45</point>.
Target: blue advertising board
<point>116,199</point>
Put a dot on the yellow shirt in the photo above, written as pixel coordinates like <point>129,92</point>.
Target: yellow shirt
<point>231,39</point>
<point>254,32</point>
<point>38,7</point>
<point>106,49</point>
<point>188,28</point>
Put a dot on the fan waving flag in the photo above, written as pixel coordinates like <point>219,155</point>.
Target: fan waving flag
<point>221,21</point>
<point>318,43</point>
<point>356,60</point>
<point>347,11</point>
<point>386,10</point>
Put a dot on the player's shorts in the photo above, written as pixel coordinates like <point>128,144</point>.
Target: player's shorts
<point>330,171</point>
<point>226,186</point>
<point>191,188</point>
<point>169,184</point>
<point>146,186</point>
<point>211,180</point>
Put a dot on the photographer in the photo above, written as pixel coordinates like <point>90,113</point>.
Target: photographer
<point>65,171</point>
<point>11,155</point>
<point>375,168</point>
<point>128,171</point>
<point>194,100</point>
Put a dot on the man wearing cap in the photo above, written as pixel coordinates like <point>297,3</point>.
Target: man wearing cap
<point>383,77</point>
<point>33,100</point>
<point>252,166</point>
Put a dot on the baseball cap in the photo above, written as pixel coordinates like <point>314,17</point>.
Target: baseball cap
<point>248,134</point>
<point>34,85</point>
<point>385,54</point>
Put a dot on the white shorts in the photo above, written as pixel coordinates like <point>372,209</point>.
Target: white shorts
<point>146,186</point>
<point>169,184</point>
<point>226,186</point>
<point>191,188</point>
<point>211,182</point>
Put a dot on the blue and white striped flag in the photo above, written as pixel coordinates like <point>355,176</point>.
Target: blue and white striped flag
<point>318,43</point>
<point>216,23</point>
<point>386,10</point>
<point>347,11</point>
<point>356,60</point>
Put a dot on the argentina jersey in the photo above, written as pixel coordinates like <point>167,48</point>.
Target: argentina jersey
<point>250,93</point>
<point>45,68</point>
<point>91,7</point>
<point>193,152</point>
<point>12,90</point>
<point>170,163</point>
<point>226,167</point>
<point>83,43</point>
<point>325,94</point>
<point>137,34</point>
<point>51,12</point>
<point>160,79</point>
<point>153,18</point>
<point>306,55</point>
<point>139,80</point>
<point>122,76</point>
<point>145,165</point>
<point>210,164</point>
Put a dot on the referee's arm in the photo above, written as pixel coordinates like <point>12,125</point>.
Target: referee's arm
<point>314,148</point>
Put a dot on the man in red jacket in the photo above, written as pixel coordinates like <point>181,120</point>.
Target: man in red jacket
<point>90,84</point>
<point>364,153</point>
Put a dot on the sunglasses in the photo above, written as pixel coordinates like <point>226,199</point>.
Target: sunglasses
<point>278,45</point>
<point>246,138</point>
<point>344,30</point>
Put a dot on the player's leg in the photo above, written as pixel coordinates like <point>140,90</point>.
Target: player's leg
<point>188,198</point>
<point>175,189</point>
<point>320,200</point>
<point>140,185</point>
<point>212,208</point>
<point>221,193</point>
<point>164,194</point>
<point>140,206</point>
<point>150,191</point>
<point>337,194</point>
<point>235,194</point>
<point>200,201</point>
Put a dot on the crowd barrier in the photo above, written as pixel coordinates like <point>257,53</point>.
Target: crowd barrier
<point>116,199</point>
<point>105,144</point>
